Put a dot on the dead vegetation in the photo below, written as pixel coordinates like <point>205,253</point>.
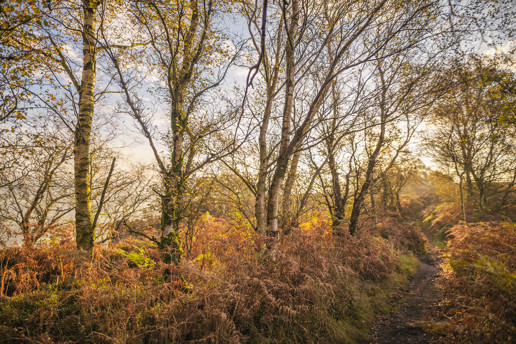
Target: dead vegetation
<point>481,283</point>
<point>316,288</point>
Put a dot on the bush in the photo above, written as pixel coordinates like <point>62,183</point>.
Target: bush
<point>483,262</point>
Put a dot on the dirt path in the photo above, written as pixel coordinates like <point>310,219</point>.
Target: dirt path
<point>415,307</point>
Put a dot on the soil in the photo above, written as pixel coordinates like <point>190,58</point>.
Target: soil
<point>415,308</point>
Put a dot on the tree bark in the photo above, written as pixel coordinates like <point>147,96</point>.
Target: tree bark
<point>462,203</point>
<point>373,205</point>
<point>85,235</point>
<point>172,202</point>
<point>283,159</point>
<point>259,208</point>
<point>287,216</point>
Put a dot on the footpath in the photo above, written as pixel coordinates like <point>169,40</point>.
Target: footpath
<point>414,309</point>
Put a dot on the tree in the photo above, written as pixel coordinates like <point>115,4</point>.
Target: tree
<point>36,197</point>
<point>50,35</point>
<point>376,112</point>
<point>188,54</point>
<point>403,97</point>
<point>473,131</point>
<point>18,59</point>
<point>403,171</point>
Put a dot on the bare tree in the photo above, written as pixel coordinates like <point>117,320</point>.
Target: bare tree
<point>186,50</point>
<point>36,196</point>
<point>473,130</point>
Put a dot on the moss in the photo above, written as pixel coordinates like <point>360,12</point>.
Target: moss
<point>138,257</point>
<point>47,311</point>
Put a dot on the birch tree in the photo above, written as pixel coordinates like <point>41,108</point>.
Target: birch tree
<point>190,56</point>
<point>63,44</point>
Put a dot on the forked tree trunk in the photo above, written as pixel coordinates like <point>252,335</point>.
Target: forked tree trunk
<point>283,159</point>
<point>357,206</point>
<point>85,235</point>
<point>368,183</point>
<point>373,158</point>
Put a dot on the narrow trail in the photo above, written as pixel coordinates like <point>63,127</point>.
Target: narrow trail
<point>415,307</point>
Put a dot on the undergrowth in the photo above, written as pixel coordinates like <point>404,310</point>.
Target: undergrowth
<point>313,287</point>
<point>481,283</point>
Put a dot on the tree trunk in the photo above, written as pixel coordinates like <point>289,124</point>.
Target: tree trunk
<point>462,203</point>
<point>166,202</point>
<point>170,238</point>
<point>259,207</point>
<point>287,192</point>
<point>398,203</point>
<point>339,206</point>
<point>373,205</point>
<point>357,206</point>
<point>273,202</point>
<point>385,194</point>
<point>283,159</point>
<point>85,235</point>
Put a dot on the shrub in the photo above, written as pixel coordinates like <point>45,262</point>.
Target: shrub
<point>483,262</point>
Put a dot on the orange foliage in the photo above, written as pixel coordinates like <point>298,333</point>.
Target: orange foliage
<point>483,261</point>
<point>232,289</point>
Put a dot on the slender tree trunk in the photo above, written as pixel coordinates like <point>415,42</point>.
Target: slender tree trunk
<point>273,202</point>
<point>385,194</point>
<point>338,204</point>
<point>373,205</point>
<point>287,192</point>
<point>462,203</point>
<point>166,202</point>
<point>481,196</point>
<point>85,235</point>
<point>283,159</point>
<point>259,207</point>
<point>398,203</point>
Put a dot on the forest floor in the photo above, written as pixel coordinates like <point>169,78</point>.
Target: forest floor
<point>415,309</point>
